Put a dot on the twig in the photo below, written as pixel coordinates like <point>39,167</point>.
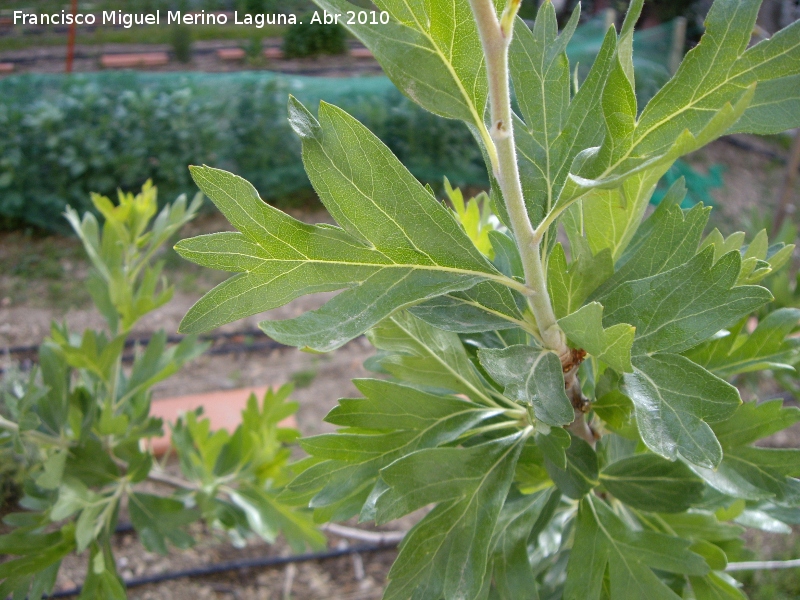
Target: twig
<point>373,537</point>
<point>170,480</point>
<point>291,571</point>
<point>762,565</point>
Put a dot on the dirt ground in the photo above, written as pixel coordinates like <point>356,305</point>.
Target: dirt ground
<point>41,281</point>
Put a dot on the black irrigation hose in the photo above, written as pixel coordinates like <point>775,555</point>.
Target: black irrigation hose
<point>172,339</point>
<point>265,343</point>
<point>748,147</point>
<point>224,567</point>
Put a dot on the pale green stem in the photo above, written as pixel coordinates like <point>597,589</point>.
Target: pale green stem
<point>495,37</point>
<point>33,435</point>
<point>490,428</point>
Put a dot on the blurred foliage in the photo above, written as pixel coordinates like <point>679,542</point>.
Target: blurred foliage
<point>182,43</point>
<point>306,38</point>
<point>61,138</point>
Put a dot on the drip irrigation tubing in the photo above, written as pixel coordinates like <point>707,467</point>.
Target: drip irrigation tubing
<point>235,565</point>
<point>251,340</point>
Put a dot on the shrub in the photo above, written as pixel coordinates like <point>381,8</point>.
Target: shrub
<point>563,402</point>
<point>305,39</point>
<point>62,138</point>
<point>80,429</point>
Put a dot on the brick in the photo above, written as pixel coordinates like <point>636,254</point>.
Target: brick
<point>360,52</point>
<point>230,54</point>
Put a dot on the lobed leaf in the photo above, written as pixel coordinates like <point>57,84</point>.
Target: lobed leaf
<point>767,347</point>
<point>397,247</point>
<point>447,553</point>
<point>603,541</point>
<point>678,309</point>
<point>675,399</point>
<point>391,422</point>
<point>612,345</point>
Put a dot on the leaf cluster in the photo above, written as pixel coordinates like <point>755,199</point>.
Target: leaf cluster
<point>563,402</point>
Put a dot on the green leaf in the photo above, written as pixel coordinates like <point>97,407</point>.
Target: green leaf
<point>555,132</point>
<point>412,250</point>
<point>540,71</point>
<point>267,516</point>
<point>757,519</point>
<point>714,556</point>
<point>73,496</point>
<point>158,520</point>
<point>488,306</point>
<point>755,473</point>
<point>715,586</point>
<point>89,525</point>
<point>698,525</point>
<point>38,566</point>
<point>753,421</point>
<point>421,354</point>
<point>554,446</point>
<point>675,400</point>
<point>531,376</point>
<point>710,92</point>
<point>506,255</point>
<point>510,566</point>
<point>667,239</point>
<point>616,409</point>
<point>102,579</point>
<point>580,475</point>
<point>774,107</point>
<point>765,348</point>
<point>431,52</point>
<point>584,328</point>
<point>602,540</point>
<point>391,422</point>
<point>678,309</point>
<point>50,478</point>
<point>648,482</point>
<point>446,554</point>
<point>570,285</point>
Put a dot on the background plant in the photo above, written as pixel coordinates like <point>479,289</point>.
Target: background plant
<point>78,428</point>
<point>305,39</point>
<point>60,139</point>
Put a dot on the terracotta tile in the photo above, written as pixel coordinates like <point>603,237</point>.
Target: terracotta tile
<point>230,53</point>
<point>224,408</point>
<point>125,61</point>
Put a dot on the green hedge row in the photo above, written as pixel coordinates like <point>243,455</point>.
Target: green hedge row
<point>62,137</point>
